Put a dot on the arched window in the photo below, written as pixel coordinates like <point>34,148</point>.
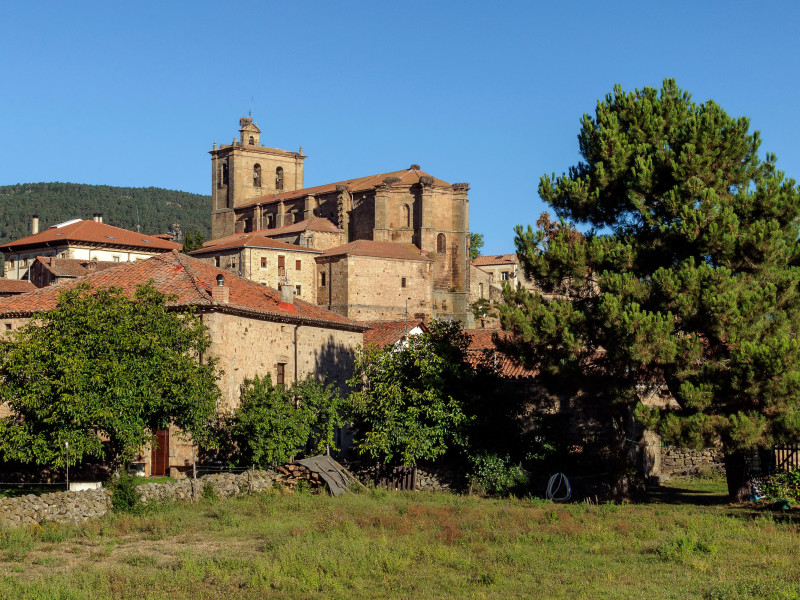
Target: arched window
<point>257,175</point>
<point>252,140</point>
<point>441,244</point>
<point>405,216</point>
<point>224,174</point>
<point>279,178</point>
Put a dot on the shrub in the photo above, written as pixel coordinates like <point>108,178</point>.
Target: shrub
<point>496,475</point>
<point>209,492</point>
<point>123,492</point>
<point>783,484</point>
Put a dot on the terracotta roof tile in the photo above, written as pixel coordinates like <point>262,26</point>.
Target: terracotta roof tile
<point>248,240</point>
<point>91,232</point>
<point>387,333</point>
<point>406,176</point>
<point>15,286</point>
<point>495,259</point>
<point>190,280</point>
<point>313,224</point>
<point>73,267</point>
<point>482,348</point>
<point>378,250</point>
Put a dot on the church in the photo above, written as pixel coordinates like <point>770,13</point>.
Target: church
<point>393,245</point>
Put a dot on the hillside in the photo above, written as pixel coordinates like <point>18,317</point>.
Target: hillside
<point>155,209</point>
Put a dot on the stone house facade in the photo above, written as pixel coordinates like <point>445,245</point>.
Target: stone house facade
<point>370,281</point>
<point>82,240</point>
<point>254,330</point>
<point>266,261</point>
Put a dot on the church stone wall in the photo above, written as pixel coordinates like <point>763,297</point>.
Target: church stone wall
<point>365,288</point>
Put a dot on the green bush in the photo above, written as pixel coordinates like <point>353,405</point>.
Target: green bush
<point>123,492</point>
<point>496,475</point>
<point>209,492</point>
<point>783,484</point>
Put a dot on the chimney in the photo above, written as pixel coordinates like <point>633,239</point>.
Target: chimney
<point>35,225</point>
<point>221,294</point>
<point>287,298</point>
<point>97,217</point>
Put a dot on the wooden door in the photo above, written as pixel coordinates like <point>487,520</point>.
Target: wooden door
<point>159,456</point>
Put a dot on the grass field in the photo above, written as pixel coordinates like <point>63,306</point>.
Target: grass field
<point>685,543</point>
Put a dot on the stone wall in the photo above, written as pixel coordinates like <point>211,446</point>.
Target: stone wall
<point>59,507</point>
<point>74,507</point>
<point>686,461</point>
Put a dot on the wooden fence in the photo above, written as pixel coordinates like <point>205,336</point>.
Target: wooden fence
<point>787,458</point>
<point>399,478</point>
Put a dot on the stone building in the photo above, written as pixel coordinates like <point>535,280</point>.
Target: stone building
<point>266,261</point>
<point>81,240</point>
<point>370,281</point>
<point>254,330</point>
<point>49,270</point>
<point>255,188</point>
<point>316,232</point>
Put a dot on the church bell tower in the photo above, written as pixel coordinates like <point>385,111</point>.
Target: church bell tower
<point>246,170</point>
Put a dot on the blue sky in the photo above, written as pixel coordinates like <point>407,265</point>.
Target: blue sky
<point>135,93</point>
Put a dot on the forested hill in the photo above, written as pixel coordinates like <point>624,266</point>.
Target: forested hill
<point>154,209</point>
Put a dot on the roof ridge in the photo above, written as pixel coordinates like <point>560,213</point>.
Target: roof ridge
<point>190,271</point>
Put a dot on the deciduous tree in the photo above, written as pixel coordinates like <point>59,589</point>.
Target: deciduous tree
<point>104,366</point>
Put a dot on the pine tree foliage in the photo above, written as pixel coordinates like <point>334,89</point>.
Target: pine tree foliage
<point>686,276</point>
<point>154,210</point>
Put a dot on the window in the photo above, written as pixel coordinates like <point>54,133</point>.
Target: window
<point>279,178</point>
<point>405,216</point>
<point>280,376</point>
<point>252,140</point>
<point>402,282</point>
<point>263,262</point>
<point>322,280</point>
<point>256,173</point>
<point>115,258</point>
<point>281,266</point>
<point>298,265</point>
<point>224,175</point>
<point>297,290</point>
<point>505,275</point>
<point>8,326</point>
<point>216,261</point>
<point>441,244</point>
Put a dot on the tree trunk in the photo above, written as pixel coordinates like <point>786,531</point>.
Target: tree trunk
<point>737,476</point>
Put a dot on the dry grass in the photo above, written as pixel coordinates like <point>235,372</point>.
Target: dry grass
<point>411,546</point>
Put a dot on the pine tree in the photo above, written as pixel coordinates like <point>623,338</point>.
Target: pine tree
<point>686,275</point>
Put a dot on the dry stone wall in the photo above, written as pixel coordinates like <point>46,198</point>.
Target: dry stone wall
<point>685,461</point>
<point>74,507</point>
<point>59,507</point>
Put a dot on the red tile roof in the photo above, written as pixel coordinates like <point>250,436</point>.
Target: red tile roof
<point>73,267</point>
<point>378,250</point>
<point>407,177</point>
<point>90,232</point>
<point>248,240</point>
<point>313,224</point>
<point>15,286</point>
<point>495,259</point>
<point>387,333</point>
<point>482,349</point>
<point>190,280</point>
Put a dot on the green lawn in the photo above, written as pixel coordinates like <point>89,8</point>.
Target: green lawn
<point>685,543</point>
